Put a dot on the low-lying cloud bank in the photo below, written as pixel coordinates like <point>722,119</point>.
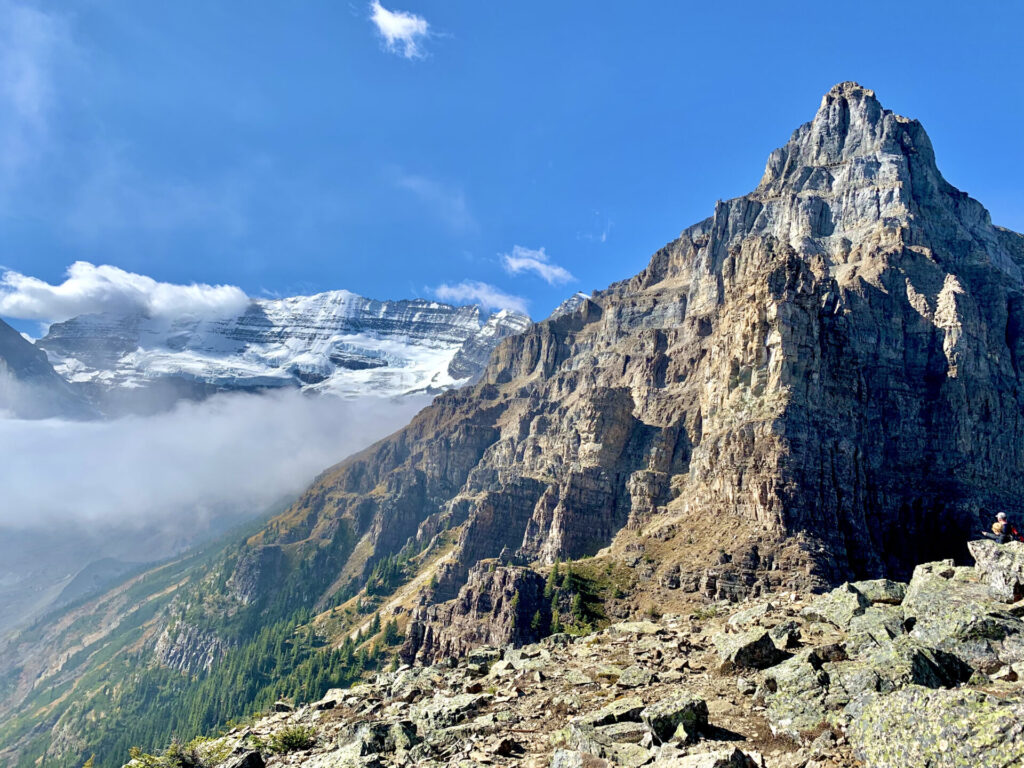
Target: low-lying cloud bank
<point>89,288</point>
<point>229,455</point>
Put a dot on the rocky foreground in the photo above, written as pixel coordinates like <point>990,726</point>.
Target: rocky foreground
<point>875,673</point>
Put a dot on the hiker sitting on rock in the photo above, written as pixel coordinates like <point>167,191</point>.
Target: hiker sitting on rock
<point>1001,530</point>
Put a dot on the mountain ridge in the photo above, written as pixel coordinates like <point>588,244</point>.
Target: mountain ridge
<point>334,342</point>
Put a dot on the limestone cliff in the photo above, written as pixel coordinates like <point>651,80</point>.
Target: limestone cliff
<point>827,371</point>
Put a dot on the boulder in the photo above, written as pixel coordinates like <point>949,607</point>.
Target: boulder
<point>837,607</point>
<point>876,626</point>
<point>248,760</point>
<point>571,758</point>
<point>635,677</point>
<point>882,591</point>
<point>1001,566</point>
<point>794,693</point>
<point>753,649</point>
<point>626,709</point>
<point>721,758</point>
<point>950,611</point>
<point>681,710</point>
<point>922,728</point>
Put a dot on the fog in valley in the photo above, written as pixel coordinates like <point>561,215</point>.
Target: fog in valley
<point>137,489</point>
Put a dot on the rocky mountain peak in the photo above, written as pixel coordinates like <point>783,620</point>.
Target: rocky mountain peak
<point>850,127</point>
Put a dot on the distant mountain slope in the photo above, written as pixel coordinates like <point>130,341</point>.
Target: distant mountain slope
<point>335,342</point>
<point>29,386</point>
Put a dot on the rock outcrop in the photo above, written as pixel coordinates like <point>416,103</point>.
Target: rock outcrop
<point>497,606</point>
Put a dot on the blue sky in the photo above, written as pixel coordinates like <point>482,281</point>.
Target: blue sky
<point>289,147</point>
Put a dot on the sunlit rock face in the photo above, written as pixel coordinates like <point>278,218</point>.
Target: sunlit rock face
<point>334,342</point>
<point>826,374</point>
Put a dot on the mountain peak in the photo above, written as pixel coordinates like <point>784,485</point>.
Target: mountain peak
<point>850,126</point>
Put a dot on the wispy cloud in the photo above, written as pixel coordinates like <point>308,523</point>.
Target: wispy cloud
<point>90,289</point>
<point>31,45</point>
<point>402,32</point>
<point>530,260</point>
<point>485,294</point>
<point>447,202</point>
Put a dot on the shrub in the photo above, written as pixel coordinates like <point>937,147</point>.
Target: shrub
<point>291,739</point>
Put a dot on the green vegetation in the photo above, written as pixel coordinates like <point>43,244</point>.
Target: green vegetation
<point>291,739</point>
<point>124,700</point>
<point>198,753</point>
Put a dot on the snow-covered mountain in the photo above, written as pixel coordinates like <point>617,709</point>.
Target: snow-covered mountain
<point>335,342</point>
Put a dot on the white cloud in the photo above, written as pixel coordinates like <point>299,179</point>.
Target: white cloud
<point>485,294</point>
<point>91,289</point>
<point>449,203</point>
<point>402,31</point>
<point>31,43</point>
<point>529,260</point>
<point>229,455</point>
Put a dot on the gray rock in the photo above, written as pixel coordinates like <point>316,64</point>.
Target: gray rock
<point>752,649</point>
<point>626,709</point>
<point>251,759</point>
<point>680,710</point>
<point>635,677</point>
<point>565,758</point>
<point>1001,567</point>
<point>921,728</point>
<point>882,591</point>
<point>837,607</point>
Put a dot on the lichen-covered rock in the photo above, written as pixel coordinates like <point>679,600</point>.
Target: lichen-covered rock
<point>795,690</point>
<point>876,626</point>
<point>838,607</point>
<point>680,711</point>
<point>882,591</point>
<point>626,709</point>
<point>921,728</point>
<point>753,649</point>
<point>1001,566</point>
<point>250,759</point>
<point>948,609</point>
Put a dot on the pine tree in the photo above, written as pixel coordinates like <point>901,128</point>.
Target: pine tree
<point>556,622</point>
<point>552,582</point>
<point>537,625</point>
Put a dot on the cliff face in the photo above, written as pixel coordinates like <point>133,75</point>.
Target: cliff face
<point>828,370</point>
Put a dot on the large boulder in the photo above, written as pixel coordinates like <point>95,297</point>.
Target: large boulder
<point>753,649</point>
<point>1001,566</point>
<point>882,591</point>
<point>876,626</point>
<point>949,610</point>
<point>680,714</point>
<point>837,607</point>
<point>795,690</point>
<point>922,728</point>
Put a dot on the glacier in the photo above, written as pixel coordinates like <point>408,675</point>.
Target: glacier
<point>335,342</point>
